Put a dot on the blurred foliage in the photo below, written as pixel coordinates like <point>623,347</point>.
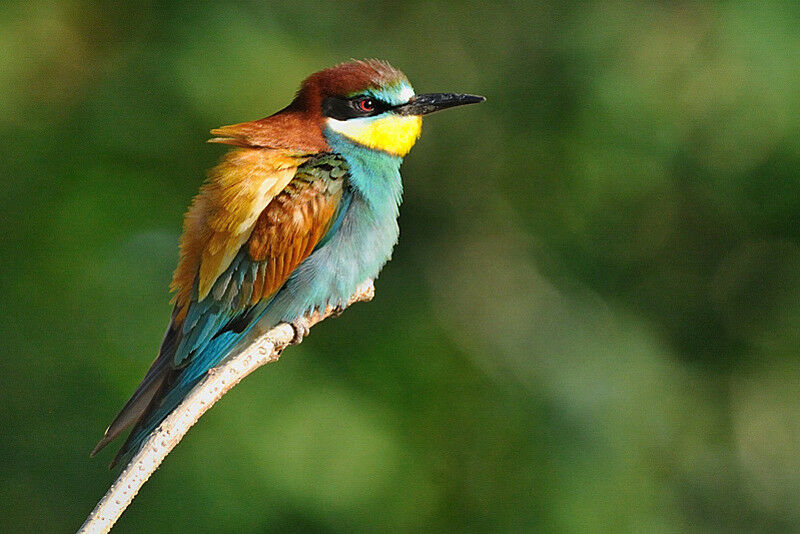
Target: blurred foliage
<point>590,323</point>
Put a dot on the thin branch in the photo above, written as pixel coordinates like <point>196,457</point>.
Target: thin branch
<point>266,348</point>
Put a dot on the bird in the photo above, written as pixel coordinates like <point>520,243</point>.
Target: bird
<point>300,210</point>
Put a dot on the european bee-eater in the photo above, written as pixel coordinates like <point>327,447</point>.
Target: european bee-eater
<point>300,212</point>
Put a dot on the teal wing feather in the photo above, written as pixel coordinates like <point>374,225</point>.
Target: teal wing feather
<point>295,223</point>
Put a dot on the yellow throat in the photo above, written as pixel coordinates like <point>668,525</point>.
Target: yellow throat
<point>395,134</point>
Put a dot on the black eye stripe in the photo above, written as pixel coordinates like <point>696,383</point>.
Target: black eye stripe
<point>340,108</point>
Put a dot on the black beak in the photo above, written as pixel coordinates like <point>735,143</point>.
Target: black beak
<point>428,103</point>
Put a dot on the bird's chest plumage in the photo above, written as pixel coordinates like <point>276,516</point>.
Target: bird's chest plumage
<point>361,242</point>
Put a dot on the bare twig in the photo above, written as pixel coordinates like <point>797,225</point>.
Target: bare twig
<point>266,348</point>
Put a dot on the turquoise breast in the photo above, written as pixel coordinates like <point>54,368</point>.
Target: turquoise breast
<point>360,245</point>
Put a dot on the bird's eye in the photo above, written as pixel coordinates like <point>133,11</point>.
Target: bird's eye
<point>366,104</point>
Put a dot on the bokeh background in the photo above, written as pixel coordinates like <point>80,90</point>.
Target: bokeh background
<point>590,323</point>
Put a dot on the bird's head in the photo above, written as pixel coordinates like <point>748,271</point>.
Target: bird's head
<point>372,104</point>
<point>367,103</point>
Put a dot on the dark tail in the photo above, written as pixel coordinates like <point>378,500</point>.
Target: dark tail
<point>149,392</point>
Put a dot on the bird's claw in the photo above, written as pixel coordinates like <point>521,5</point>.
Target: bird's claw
<point>301,329</point>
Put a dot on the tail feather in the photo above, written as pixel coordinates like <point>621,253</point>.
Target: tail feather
<point>133,410</point>
<point>167,382</point>
<point>148,389</point>
<point>172,389</point>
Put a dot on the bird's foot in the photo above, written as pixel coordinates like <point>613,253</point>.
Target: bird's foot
<point>301,329</point>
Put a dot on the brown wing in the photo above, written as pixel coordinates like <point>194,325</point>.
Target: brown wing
<point>222,216</point>
<point>287,231</point>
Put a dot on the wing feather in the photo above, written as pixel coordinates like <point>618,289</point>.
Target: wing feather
<point>222,216</point>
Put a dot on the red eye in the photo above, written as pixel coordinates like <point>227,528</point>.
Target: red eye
<point>366,104</point>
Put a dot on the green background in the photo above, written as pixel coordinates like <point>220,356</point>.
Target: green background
<point>590,324</point>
